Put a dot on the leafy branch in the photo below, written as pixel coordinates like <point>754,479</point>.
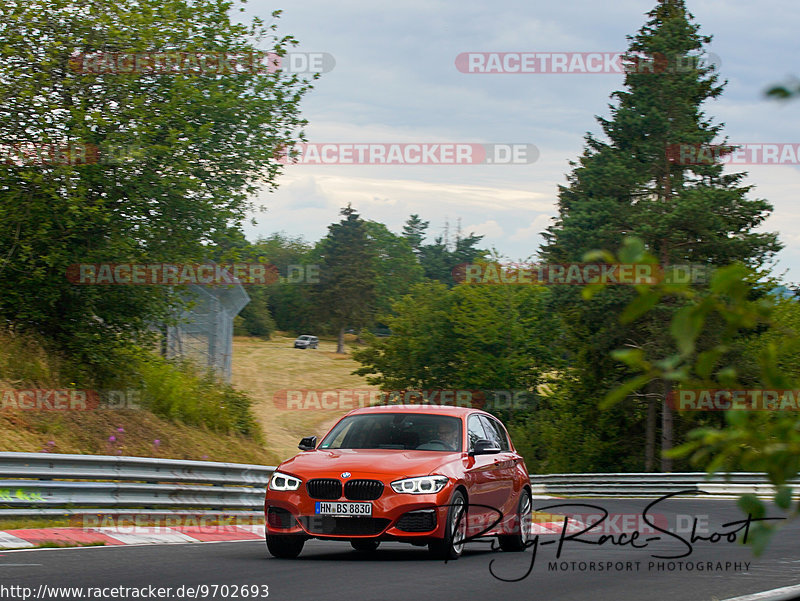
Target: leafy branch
<point>738,298</point>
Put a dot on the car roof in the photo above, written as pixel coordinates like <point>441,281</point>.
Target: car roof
<point>427,409</point>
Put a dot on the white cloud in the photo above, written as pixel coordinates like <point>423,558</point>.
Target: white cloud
<point>306,193</point>
<point>395,80</point>
<point>533,231</point>
<point>488,229</point>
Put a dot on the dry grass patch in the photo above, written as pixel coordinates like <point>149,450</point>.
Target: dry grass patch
<point>134,432</point>
<point>263,367</point>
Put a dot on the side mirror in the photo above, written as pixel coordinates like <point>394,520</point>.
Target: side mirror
<point>484,446</point>
<point>309,443</point>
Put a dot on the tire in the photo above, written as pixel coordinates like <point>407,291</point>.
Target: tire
<point>449,547</point>
<point>517,541</point>
<point>364,545</point>
<point>285,546</point>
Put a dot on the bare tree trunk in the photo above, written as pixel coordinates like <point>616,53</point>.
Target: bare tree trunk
<point>666,428</point>
<point>340,342</point>
<point>666,411</point>
<point>650,436</point>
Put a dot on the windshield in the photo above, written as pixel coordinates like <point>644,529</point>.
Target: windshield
<point>304,338</point>
<point>402,431</point>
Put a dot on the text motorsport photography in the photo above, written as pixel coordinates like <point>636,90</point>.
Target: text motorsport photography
<point>667,547</point>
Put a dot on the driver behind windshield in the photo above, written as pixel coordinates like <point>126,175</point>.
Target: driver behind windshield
<point>447,432</point>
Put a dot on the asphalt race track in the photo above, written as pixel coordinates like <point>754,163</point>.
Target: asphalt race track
<point>333,571</point>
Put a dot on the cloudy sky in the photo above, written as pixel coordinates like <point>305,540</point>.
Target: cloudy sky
<point>395,80</point>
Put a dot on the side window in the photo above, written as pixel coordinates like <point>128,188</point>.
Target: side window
<point>496,432</point>
<point>474,430</point>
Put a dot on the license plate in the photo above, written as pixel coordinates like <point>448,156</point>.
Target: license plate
<point>338,508</point>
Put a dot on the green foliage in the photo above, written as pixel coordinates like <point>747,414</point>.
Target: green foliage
<point>347,293</point>
<point>438,260</point>
<point>396,265</point>
<point>469,337</point>
<point>760,441</point>
<point>624,184</point>
<point>567,433</point>
<point>414,232</point>
<point>787,91</point>
<point>289,302</point>
<point>30,360</point>
<point>293,309</point>
<point>398,262</point>
<point>180,392</point>
<point>280,250</point>
<point>183,393</point>
<point>255,318</point>
<point>419,352</point>
<point>194,148</point>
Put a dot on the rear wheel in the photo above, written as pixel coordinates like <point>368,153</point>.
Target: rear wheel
<point>452,545</point>
<point>364,545</point>
<point>517,540</point>
<point>285,546</point>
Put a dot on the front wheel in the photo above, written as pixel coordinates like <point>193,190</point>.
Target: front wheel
<point>452,545</point>
<point>518,540</point>
<point>285,546</point>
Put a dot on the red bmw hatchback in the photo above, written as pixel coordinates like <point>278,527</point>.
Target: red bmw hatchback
<point>426,475</point>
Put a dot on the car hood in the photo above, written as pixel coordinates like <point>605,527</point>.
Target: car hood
<point>381,463</point>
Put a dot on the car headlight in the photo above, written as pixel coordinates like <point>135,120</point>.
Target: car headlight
<point>280,481</point>
<point>422,485</point>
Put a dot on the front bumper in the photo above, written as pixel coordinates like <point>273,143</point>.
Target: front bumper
<point>404,517</point>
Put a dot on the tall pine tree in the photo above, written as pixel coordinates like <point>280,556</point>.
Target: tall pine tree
<point>346,294</point>
<point>414,232</point>
<point>626,184</point>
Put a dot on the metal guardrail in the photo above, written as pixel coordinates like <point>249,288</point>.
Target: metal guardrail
<point>49,484</point>
<point>654,484</point>
<point>34,484</point>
